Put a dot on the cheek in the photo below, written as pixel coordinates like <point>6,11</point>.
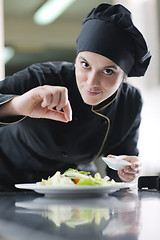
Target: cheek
<point>111,83</point>
<point>80,77</point>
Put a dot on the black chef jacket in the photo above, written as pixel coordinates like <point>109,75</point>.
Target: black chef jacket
<point>31,149</point>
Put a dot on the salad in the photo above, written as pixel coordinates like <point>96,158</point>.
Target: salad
<point>75,177</point>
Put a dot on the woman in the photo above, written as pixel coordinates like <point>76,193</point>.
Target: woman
<point>60,115</point>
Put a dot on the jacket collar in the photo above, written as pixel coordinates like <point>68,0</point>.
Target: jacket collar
<point>106,102</point>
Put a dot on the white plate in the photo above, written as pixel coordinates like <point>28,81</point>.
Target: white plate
<point>74,191</point>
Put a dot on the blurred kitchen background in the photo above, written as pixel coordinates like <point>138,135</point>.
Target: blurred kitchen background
<point>24,41</point>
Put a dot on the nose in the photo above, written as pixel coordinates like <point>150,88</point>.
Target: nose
<point>93,79</point>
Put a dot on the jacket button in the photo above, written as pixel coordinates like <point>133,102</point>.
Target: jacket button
<point>64,154</point>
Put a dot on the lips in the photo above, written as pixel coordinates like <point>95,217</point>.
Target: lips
<point>92,93</point>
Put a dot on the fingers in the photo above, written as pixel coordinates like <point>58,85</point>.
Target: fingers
<point>56,115</point>
<point>64,116</point>
<point>68,111</point>
<point>126,177</point>
<point>62,99</point>
<point>129,173</point>
<point>56,97</point>
<point>53,97</point>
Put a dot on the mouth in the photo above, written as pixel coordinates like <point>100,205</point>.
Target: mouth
<point>92,93</point>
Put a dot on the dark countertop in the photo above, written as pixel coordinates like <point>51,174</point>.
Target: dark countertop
<point>123,215</point>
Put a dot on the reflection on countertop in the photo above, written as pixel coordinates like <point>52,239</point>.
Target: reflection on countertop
<point>120,215</point>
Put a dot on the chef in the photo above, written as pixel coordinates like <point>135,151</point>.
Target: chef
<point>57,115</point>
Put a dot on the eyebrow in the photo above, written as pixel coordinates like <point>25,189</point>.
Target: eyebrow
<point>82,58</point>
<point>108,66</point>
<point>111,66</point>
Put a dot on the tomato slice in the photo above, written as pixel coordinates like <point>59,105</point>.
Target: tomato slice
<point>76,181</point>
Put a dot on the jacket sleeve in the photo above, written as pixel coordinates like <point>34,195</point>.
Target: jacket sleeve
<point>128,143</point>
<point>18,84</point>
<point>127,147</point>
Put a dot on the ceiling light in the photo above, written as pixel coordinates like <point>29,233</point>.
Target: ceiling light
<point>51,10</point>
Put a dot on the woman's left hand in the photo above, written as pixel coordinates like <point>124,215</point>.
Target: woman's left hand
<point>128,174</point>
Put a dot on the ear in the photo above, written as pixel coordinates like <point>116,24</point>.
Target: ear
<point>124,78</point>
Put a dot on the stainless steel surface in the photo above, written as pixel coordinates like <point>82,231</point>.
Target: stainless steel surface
<point>121,215</point>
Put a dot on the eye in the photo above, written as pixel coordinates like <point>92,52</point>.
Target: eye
<point>85,64</point>
<point>108,71</point>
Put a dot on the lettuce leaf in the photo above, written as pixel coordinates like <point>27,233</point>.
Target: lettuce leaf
<point>57,179</point>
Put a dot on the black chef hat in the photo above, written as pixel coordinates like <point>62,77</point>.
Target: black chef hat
<point>108,30</point>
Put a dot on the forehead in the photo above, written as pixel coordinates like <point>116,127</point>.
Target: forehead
<point>94,57</point>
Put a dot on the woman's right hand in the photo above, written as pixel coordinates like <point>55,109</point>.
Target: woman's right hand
<point>40,101</point>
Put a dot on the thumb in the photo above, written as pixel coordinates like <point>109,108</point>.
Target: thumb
<point>111,156</point>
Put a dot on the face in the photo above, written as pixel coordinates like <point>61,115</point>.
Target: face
<point>97,77</point>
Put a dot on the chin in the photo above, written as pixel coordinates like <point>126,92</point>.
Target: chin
<point>92,102</point>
